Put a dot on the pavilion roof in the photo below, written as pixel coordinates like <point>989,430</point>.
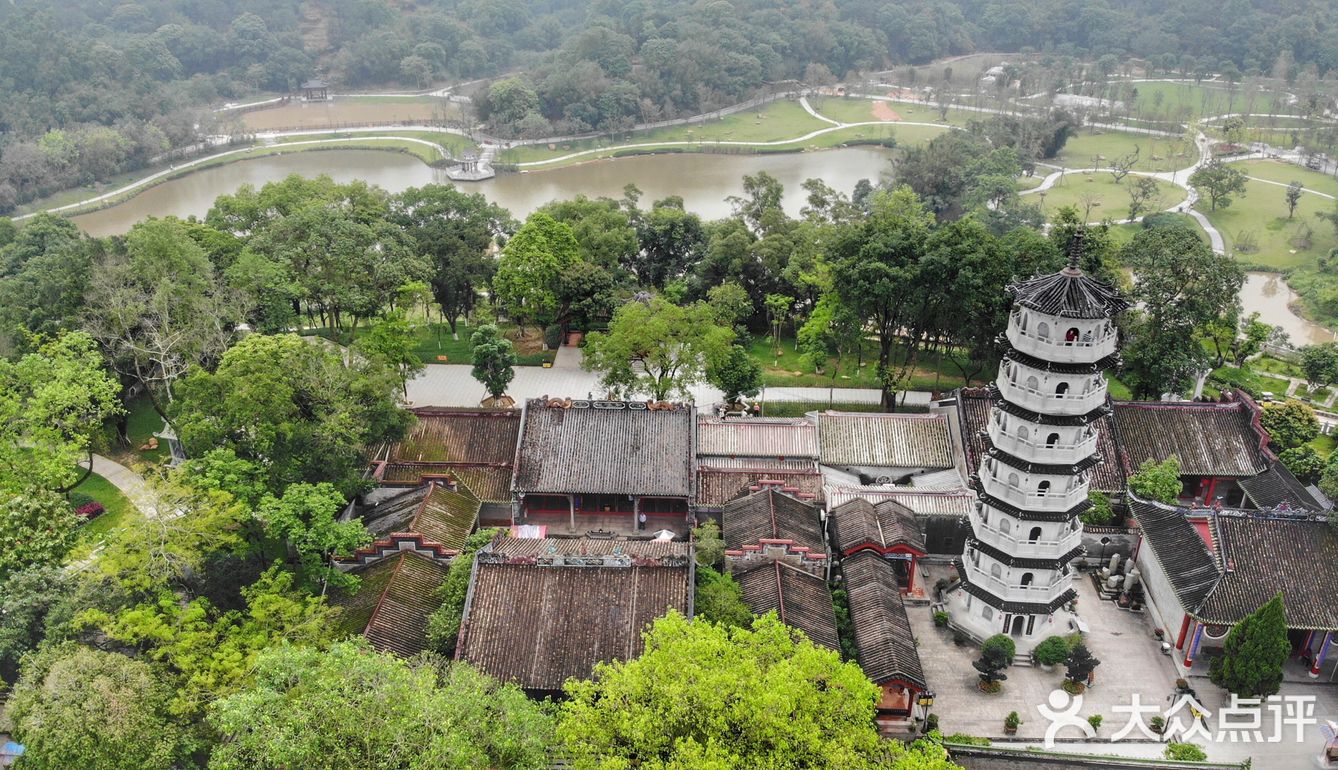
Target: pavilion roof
<point>434,511</point>
<point>1070,294</point>
<point>862,524</point>
<point>1277,488</point>
<point>1210,439</point>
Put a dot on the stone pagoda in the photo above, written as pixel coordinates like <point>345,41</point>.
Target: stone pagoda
<point>1033,479</point>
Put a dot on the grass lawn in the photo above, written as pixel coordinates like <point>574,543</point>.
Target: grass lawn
<point>1286,173</point>
<point>857,110</point>
<point>1324,444</point>
<point>1118,390</point>
<point>1108,200</point>
<point>141,423</point>
<point>1253,382</point>
<point>1262,212</point>
<point>1198,100</point>
<point>118,506</point>
<point>1319,395</point>
<point>1276,366</point>
<point>791,370</point>
<point>1156,153</point>
<point>458,145</point>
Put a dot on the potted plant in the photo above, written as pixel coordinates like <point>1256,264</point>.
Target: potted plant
<point>1158,725</point>
<point>1095,721</point>
<point>993,660</point>
<point>1081,666</point>
<point>1051,652</point>
<point>1011,722</point>
<point>941,619</point>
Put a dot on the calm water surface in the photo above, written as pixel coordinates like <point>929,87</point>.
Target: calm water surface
<point>704,181</point>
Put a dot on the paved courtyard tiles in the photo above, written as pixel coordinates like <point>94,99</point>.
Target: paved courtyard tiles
<point>1131,662</point>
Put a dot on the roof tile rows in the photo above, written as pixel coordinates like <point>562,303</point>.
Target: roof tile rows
<point>758,437</point>
<point>1069,294</point>
<point>801,600</point>
<point>436,512</point>
<point>715,487</point>
<point>393,602</point>
<point>1278,489</point>
<point>473,447</point>
<point>883,639</point>
<point>1262,557</point>
<point>770,514</point>
<point>885,440</point>
<point>1210,439</point>
<point>539,625</point>
<point>932,503</point>
<point>859,524</point>
<point>605,448</point>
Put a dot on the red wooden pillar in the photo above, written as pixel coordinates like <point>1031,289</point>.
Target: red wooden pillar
<point>1184,629</point>
<point>1193,647</point>
<point>910,585</point>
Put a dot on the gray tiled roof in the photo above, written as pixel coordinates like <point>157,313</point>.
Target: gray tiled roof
<point>883,639</point>
<point>1277,488</point>
<point>1262,557</point>
<point>770,513</point>
<point>1070,294</point>
<point>860,523</point>
<point>717,487</point>
<point>393,602</point>
<point>931,503</point>
<point>754,437</point>
<point>1182,554</point>
<point>538,626</point>
<point>621,449</point>
<point>885,440</point>
<point>801,600</point>
<point>1209,439</point>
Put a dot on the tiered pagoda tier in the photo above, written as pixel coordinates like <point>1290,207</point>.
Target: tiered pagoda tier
<point>1033,481</point>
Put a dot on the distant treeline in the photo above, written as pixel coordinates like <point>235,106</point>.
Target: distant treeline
<point>121,83</point>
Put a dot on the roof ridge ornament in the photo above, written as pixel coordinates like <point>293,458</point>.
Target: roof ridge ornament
<point>1075,250</point>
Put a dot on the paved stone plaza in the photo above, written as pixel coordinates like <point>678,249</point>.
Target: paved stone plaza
<point>1131,662</point>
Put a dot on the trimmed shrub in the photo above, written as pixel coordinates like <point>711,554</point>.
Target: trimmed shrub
<point>553,337</point>
<point>1053,651</point>
<point>1003,643</point>
<point>941,619</point>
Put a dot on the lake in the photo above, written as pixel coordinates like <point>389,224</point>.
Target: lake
<point>1269,295</point>
<point>703,181</point>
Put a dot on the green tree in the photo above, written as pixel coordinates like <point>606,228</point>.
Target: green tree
<point>719,599</point>
<point>294,408</point>
<point>778,309</point>
<point>1143,195</point>
<point>602,227</point>
<point>737,374</point>
<point>1254,653</point>
<point>672,241</point>
<point>1100,514</point>
<point>1293,198</point>
<point>53,402</point>
<point>704,695</point>
<point>707,544</point>
<point>1319,362</point>
<point>1080,664</point>
<point>1290,424</point>
<point>877,275</point>
<point>657,348</point>
<point>78,707</point>
<point>158,310</point>
<point>37,526</point>
<point>1157,481</point>
<point>453,230</point>
<point>1182,288</point>
<point>990,667</point>
<point>28,600</point>
<point>494,359</point>
<point>392,344</point>
<point>532,263</point>
<point>306,518</point>
<point>1220,181</point>
<point>830,329</point>
<point>1185,752</point>
<point>731,304</point>
<point>1303,462</point>
<point>351,708</point>
<point>443,625</point>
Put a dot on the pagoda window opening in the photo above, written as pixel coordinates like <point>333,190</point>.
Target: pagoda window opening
<point>1005,526</point>
<point>1051,440</point>
<point>1022,433</point>
<point>1043,330</point>
<point>1071,336</point>
<point>996,572</point>
<point>1027,579</point>
<point>1043,488</point>
<point>1061,390</point>
<point>1014,481</point>
<point>1033,384</point>
<point>1034,534</point>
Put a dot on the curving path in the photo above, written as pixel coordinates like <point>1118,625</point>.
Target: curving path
<point>131,484</point>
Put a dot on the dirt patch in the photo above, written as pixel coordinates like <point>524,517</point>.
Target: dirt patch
<point>884,111</point>
<point>344,113</point>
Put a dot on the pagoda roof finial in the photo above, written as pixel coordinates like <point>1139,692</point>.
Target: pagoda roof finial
<point>1076,247</point>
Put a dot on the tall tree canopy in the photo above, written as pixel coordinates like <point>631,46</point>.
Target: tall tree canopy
<point>657,348</point>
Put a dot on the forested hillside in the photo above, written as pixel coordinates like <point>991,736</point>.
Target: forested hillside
<point>90,89</point>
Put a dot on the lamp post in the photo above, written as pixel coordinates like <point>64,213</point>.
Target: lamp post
<point>926,700</point>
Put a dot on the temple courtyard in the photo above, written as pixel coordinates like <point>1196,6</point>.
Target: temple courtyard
<point>1131,663</point>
